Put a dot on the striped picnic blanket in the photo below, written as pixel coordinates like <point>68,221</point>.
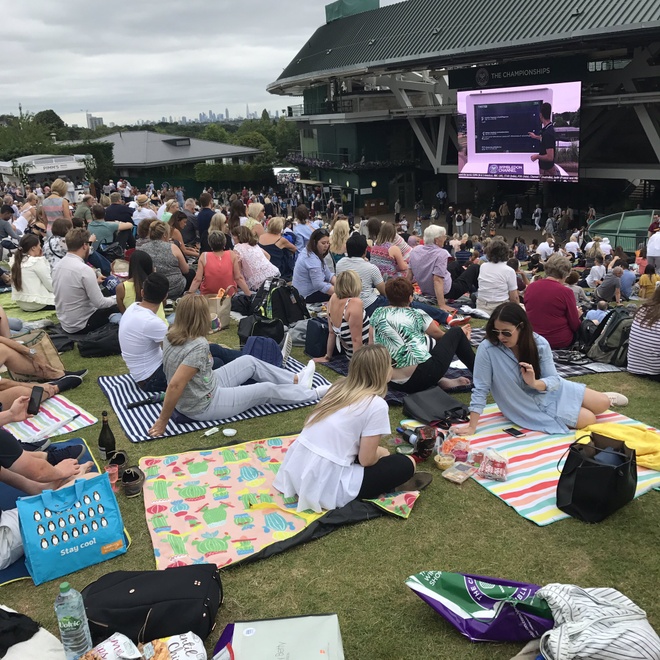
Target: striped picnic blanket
<point>122,390</point>
<point>531,486</point>
<point>52,411</point>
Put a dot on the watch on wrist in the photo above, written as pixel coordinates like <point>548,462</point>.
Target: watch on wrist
<point>33,352</point>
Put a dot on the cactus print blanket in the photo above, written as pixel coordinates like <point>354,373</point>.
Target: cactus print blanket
<point>219,506</point>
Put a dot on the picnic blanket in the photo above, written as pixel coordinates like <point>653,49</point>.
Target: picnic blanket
<point>13,310</point>
<point>52,411</point>
<point>564,370</point>
<point>8,497</point>
<point>339,364</point>
<point>122,390</point>
<point>219,505</point>
<point>531,487</point>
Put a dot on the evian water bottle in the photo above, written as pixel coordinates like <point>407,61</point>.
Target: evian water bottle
<point>72,620</point>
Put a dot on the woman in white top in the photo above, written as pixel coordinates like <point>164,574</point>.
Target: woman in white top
<point>32,286</point>
<point>337,457</point>
<point>497,280</point>
<point>255,261</point>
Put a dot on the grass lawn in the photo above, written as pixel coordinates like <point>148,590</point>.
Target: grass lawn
<point>359,571</point>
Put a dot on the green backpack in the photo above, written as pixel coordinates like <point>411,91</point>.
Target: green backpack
<point>611,346</point>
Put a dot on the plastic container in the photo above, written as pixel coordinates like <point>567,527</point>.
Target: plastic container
<point>72,620</point>
<point>444,461</point>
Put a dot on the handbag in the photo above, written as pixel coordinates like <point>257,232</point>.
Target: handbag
<point>258,326</point>
<point>316,339</point>
<point>71,528</point>
<point>434,405</point>
<point>43,345</point>
<point>148,605</point>
<point>598,478</point>
<point>111,251</point>
<point>220,305</point>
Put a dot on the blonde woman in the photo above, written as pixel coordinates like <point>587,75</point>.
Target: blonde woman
<point>386,256</point>
<point>281,250</point>
<point>55,205</point>
<point>337,457</point>
<point>171,207</point>
<point>255,218</point>
<point>255,261</point>
<point>219,223</point>
<point>338,239</point>
<point>28,214</point>
<point>349,324</point>
<point>203,394</point>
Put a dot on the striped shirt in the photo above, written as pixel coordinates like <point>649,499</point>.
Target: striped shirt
<point>343,332</point>
<point>369,276</point>
<point>644,348</point>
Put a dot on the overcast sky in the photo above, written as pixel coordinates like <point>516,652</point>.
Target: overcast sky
<point>145,59</point>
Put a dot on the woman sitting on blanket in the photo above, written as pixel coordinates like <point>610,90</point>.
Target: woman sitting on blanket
<point>515,365</point>
<point>201,393</point>
<point>421,352</point>
<point>337,456</point>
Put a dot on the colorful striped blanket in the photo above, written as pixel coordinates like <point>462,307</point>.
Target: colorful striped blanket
<point>533,475</point>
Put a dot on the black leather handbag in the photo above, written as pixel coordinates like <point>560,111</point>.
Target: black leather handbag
<point>259,326</point>
<point>435,405</point>
<point>148,605</point>
<point>598,478</point>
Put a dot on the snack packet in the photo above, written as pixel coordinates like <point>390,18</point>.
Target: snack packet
<point>178,647</point>
<point>459,472</point>
<point>494,465</point>
<point>116,647</point>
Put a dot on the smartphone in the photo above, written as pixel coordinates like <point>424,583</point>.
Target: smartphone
<point>35,400</point>
<point>516,433</point>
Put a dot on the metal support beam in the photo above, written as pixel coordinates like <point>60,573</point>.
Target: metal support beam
<point>650,128</point>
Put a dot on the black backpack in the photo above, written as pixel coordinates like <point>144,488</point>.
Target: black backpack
<point>276,299</point>
<point>587,334</point>
<point>258,326</point>
<point>148,605</point>
<point>611,345</point>
<point>101,342</point>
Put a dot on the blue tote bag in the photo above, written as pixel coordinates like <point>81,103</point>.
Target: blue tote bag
<point>71,528</point>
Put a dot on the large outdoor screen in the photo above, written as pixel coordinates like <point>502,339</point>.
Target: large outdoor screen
<point>520,133</point>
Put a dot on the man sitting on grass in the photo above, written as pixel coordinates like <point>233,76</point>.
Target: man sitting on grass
<point>31,472</point>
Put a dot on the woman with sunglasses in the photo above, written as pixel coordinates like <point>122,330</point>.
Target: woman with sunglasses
<point>515,365</point>
<point>313,279</point>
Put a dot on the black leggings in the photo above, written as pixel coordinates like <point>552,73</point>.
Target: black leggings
<point>467,282</point>
<point>427,374</point>
<point>385,475</point>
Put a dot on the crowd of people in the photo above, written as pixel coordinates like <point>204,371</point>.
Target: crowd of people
<point>124,256</point>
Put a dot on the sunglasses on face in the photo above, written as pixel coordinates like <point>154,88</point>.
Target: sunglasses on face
<point>504,333</point>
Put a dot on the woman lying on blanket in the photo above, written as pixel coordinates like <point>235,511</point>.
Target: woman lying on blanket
<point>337,457</point>
<point>204,394</point>
<point>515,365</point>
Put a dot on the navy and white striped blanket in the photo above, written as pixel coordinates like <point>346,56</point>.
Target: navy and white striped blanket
<point>122,390</point>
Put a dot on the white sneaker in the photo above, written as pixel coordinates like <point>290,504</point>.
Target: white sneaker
<point>286,348</point>
<point>616,399</point>
<point>322,390</point>
<point>306,376</point>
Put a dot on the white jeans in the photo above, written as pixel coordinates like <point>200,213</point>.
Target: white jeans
<point>231,397</point>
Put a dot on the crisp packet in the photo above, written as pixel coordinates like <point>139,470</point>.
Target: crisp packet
<point>494,465</point>
<point>459,472</point>
<point>178,647</point>
<point>116,647</point>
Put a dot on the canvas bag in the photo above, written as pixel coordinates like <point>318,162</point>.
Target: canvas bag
<point>484,609</point>
<point>433,404</point>
<point>71,528</point>
<point>220,305</point>
<point>43,345</point>
<point>148,605</point>
<point>591,490</point>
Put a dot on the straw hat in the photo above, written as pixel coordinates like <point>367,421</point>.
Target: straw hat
<point>142,200</point>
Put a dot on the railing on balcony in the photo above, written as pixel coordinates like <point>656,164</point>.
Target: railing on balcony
<point>342,161</point>
<point>324,108</point>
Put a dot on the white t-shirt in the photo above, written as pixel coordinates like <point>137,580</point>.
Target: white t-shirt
<point>545,251</point>
<point>573,247</point>
<point>142,213</point>
<point>653,245</point>
<point>605,248</point>
<point>161,210</point>
<point>596,273</point>
<point>495,282</point>
<point>320,465</point>
<point>141,334</point>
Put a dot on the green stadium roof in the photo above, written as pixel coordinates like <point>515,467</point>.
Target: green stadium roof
<point>454,32</point>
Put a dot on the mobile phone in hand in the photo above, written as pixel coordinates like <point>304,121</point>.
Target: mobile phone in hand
<point>516,433</point>
<point>35,400</point>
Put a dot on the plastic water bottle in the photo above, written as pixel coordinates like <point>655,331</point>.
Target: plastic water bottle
<point>72,620</point>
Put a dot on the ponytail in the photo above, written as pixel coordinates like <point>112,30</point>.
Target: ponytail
<point>27,242</point>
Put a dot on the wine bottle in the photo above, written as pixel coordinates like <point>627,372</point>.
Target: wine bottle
<point>106,438</point>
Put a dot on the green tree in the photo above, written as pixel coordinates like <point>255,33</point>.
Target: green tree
<point>50,119</point>
<point>22,136</point>
<point>264,115</point>
<point>215,133</point>
<point>287,138</point>
<point>256,140</point>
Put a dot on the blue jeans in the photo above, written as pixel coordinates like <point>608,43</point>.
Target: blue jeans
<point>435,313</point>
<point>221,356</point>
